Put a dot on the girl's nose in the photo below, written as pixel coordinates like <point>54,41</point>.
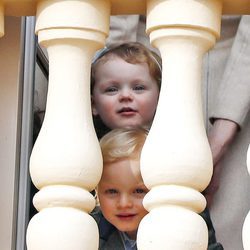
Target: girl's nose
<point>126,95</point>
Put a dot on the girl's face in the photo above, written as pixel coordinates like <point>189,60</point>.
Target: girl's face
<point>125,95</point>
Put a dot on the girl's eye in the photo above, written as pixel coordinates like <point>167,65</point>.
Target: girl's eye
<point>111,89</point>
<point>139,87</point>
<point>111,191</point>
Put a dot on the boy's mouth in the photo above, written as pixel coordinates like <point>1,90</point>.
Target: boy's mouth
<point>125,216</point>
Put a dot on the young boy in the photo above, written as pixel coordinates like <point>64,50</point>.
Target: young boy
<point>125,87</point>
<point>121,189</point>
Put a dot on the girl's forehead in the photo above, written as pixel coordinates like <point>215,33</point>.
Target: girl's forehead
<point>129,58</point>
<point>115,60</point>
<point>108,57</point>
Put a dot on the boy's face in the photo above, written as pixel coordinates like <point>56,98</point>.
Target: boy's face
<point>125,95</point>
<point>121,191</point>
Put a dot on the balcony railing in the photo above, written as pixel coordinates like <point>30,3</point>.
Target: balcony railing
<point>72,31</point>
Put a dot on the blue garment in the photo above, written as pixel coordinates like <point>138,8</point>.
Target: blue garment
<point>129,243</point>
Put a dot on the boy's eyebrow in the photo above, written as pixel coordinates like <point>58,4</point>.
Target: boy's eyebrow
<point>107,183</point>
<point>141,185</point>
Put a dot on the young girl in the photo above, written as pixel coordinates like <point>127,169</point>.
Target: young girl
<point>125,85</point>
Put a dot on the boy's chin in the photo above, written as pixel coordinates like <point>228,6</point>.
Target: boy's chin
<point>130,232</point>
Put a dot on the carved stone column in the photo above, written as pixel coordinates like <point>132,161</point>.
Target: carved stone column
<point>66,160</point>
<point>246,226</point>
<point>176,161</point>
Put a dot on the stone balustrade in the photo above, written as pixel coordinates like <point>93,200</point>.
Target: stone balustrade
<point>176,162</point>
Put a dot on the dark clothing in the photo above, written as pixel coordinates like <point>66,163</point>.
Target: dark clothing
<point>110,238</point>
<point>100,128</point>
<point>212,243</point>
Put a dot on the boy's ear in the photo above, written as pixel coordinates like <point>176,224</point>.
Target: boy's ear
<point>93,108</point>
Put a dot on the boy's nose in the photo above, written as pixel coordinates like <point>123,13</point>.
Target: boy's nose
<point>125,201</point>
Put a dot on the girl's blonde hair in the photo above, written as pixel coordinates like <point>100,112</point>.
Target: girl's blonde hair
<point>122,143</point>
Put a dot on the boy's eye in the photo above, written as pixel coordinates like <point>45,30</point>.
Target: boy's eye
<point>139,87</point>
<point>111,191</point>
<point>140,191</point>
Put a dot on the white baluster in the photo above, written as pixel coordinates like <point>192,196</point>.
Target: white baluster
<point>246,226</point>
<point>176,161</point>
<point>66,161</point>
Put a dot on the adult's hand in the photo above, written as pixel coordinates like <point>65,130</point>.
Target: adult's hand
<point>220,137</point>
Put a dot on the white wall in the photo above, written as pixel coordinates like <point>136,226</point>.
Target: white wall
<point>9,125</point>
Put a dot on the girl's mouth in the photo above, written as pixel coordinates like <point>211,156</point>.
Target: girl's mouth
<point>127,111</point>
